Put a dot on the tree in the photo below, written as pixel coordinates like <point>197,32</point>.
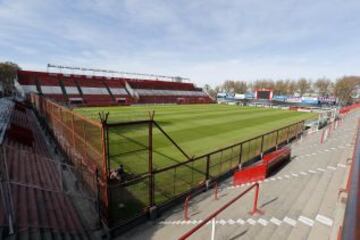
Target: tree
<point>228,86</point>
<point>344,88</point>
<point>291,87</point>
<point>323,86</point>
<point>240,87</point>
<point>263,84</point>
<point>212,93</point>
<point>303,86</point>
<point>234,86</point>
<point>280,87</point>
<point>8,71</point>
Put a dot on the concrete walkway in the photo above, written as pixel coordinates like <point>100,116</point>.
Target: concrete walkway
<point>300,201</point>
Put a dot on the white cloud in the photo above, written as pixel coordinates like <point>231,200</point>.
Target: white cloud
<point>208,41</point>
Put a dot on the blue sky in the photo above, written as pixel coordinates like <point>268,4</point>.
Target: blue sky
<point>208,41</point>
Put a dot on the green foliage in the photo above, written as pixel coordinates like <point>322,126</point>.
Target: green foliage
<point>7,75</point>
<point>344,88</point>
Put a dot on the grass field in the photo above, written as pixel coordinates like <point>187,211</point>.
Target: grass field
<point>198,129</point>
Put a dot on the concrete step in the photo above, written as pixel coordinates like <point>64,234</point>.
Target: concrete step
<point>331,203</point>
<point>263,233</point>
<point>294,208</point>
<point>311,207</point>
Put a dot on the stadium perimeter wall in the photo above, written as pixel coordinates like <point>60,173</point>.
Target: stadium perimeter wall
<point>152,188</point>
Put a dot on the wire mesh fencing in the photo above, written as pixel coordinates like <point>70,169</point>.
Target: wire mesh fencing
<point>82,141</point>
<point>156,171</point>
<point>138,165</point>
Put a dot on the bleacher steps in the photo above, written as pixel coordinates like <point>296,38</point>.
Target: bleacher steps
<point>63,89</point>
<point>312,191</point>
<point>109,91</point>
<point>79,88</point>
<point>266,232</point>
<point>38,86</point>
<point>326,209</point>
<point>131,91</point>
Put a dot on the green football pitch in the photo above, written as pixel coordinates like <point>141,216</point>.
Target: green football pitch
<point>197,129</point>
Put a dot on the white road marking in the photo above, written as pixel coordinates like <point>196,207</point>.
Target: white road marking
<point>303,173</point>
<point>306,221</point>
<point>251,221</point>
<point>272,179</point>
<point>266,180</point>
<point>231,222</point>
<point>321,169</point>
<point>324,220</point>
<point>287,176</point>
<point>326,150</point>
<point>222,222</point>
<point>331,167</point>
<point>294,174</point>
<point>263,222</point>
<point>332,148</point>
<point>341,165</point>
<point>240,221</point>
<point>290,221</point>
<point>275,221</point>
<point>311,171</point>
<point>279,178</point>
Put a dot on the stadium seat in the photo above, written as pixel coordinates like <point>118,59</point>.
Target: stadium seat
<point>41,207</point>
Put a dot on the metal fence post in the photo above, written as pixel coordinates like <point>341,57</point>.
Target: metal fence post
<point>240,156</point>
<point>98,196</point>
<point>207,167</point>
<point>105,171</point>
<point>150,163</point>
<point>262,146</point>
<point>287,134</point>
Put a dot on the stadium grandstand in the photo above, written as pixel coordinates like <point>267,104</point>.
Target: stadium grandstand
<point>101,91</point>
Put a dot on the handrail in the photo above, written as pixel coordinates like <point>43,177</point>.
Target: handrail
<point>210,217</point>
<point>351,228</point>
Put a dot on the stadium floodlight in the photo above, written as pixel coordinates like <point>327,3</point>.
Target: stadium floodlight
<point>128,74</point>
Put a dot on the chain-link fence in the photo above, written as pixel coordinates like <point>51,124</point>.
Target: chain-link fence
<point>155,170</point>
<point>139,165</point>
<point>82,141</point>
